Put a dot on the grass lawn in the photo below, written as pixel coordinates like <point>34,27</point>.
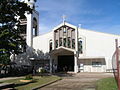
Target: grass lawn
<point>37,81</point>
<point>107,84</point>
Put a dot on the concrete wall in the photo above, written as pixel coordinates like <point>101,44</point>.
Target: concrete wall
<point>42,42</point>
<point>95,44</point>
<point>88,66</point>
<point>99,45</point>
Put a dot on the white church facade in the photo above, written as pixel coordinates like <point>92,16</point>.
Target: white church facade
<point>78,49</point>
<point>73,48</point>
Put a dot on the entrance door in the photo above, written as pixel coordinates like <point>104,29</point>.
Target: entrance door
<point>66,62</point>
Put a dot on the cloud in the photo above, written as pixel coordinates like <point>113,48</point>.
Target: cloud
<point>43,29</point>
<point>62,5</point>
<point>92,14</point>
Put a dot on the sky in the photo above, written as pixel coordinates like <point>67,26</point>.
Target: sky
<point>96,15</point>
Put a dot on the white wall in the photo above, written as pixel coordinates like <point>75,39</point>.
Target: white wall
<point>96,44</point>
<point>88,67</point>
<point>42,42</point>
<point>99,44</point>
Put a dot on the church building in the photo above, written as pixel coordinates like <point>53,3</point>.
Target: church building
<point>70,47</point>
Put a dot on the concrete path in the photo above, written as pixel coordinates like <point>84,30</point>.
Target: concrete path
<point>80,81</point>
<point>8,78</point>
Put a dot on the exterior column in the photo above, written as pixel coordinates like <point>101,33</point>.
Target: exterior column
<point>62,35</point>
<point>58,38</point>
<point>76,51</point>
<point>53,40</point>
<point>71,38</point>
<point>66,37</point>
<point>29,36</point>
<point>50,65</point>
<point>75,62</point>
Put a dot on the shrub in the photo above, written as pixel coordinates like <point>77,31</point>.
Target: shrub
<point>28,77</point>
<point>43,71</point>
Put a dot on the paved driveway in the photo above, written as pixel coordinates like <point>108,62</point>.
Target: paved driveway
<point>80,81</point>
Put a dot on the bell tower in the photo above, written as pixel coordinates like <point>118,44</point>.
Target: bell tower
<point>32,27</point>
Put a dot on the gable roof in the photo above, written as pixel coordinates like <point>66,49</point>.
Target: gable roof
<point>62,24</point>
<point>75,27</point>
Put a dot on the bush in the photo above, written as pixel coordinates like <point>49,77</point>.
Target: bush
<point>43,71</point>
<point>29,77</point>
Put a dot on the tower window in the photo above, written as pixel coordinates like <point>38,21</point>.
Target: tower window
<point>50,45</point>
<point>35,27</point>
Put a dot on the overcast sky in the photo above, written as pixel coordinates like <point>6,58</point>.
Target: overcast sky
<point>97,15</point>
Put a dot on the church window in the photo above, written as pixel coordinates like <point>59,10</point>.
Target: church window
<point>64,30</point>
<point>80,46</point>
<point>69,43</point>
<point>96,64</point>
<point>73,43</point>
<point>64,42</point>
<point>60,42</point>
<point>50,45</point>
<point>56,43</point>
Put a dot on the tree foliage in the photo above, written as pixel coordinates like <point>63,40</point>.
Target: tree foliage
<point>10,38</point>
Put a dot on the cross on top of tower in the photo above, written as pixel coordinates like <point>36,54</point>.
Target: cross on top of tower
<point>64,18</point>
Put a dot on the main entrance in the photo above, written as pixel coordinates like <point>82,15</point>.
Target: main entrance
<point>66,63</point>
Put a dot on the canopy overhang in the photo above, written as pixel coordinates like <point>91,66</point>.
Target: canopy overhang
<point>62,50</point>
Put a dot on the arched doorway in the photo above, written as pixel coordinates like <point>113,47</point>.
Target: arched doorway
<point>63,58</point>
<point>65,63</point>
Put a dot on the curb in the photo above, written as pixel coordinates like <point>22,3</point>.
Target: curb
<point>46,84</point>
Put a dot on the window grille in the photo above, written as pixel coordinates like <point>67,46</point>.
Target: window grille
<point>69,42</point>
<point>64,42</point>
<point>60,42</point>
<point>73,43</point>
<point>56,43</point>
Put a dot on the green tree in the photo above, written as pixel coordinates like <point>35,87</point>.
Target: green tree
<point>10,38</point>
